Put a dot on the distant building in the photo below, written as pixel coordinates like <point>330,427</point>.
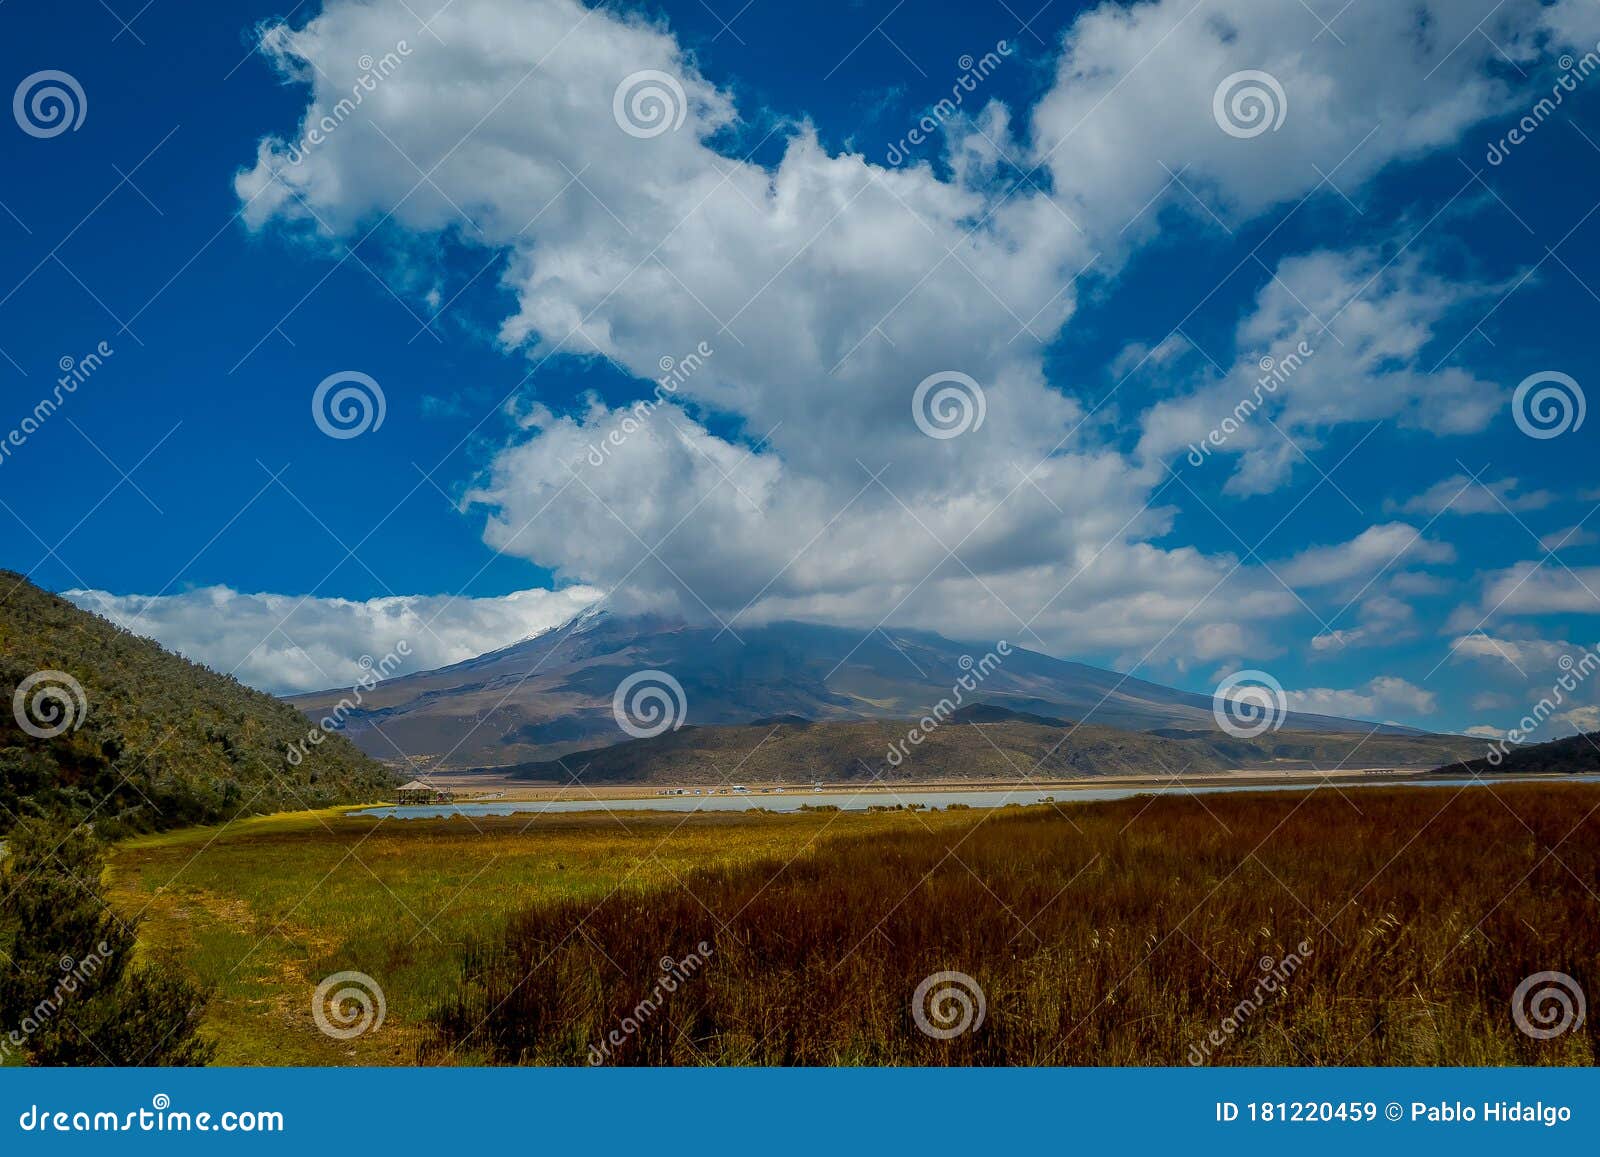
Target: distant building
<point>419,792</point>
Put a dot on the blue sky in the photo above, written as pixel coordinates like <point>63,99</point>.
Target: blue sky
<point>1083,238</point>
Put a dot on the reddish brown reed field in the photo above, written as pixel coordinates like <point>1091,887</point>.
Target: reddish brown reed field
<point>1397,924</point>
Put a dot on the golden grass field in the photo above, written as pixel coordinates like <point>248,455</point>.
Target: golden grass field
<point>264,908</point>
<point>1114,933</point>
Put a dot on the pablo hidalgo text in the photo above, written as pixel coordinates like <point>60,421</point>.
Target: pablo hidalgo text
<point>1493,1113</point>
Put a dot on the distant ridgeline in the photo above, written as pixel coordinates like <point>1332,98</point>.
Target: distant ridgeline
<point>1574,755</point>
<point>95,721</point>
<point>981,741</point>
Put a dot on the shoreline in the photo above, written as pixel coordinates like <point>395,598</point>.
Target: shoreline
<point>478,788</point>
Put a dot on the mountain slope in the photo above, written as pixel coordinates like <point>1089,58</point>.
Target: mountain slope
<point>551,695</point>
<point>978,745</point>
<point>1574,755</point>
<point>154,741</point>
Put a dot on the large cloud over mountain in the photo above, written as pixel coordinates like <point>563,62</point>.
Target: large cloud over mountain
<point>786,475</point>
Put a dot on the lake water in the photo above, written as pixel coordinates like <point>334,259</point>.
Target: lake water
<point>793,800</point>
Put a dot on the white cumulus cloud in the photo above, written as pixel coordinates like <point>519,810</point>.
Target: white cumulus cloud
<point>787,477</point>
<point>1380,699</point>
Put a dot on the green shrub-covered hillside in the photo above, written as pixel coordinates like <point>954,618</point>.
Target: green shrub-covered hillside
<point>156,741</point>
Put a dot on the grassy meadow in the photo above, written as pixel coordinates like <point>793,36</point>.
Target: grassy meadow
<point>1398,923</point>
<point>262,909</point>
